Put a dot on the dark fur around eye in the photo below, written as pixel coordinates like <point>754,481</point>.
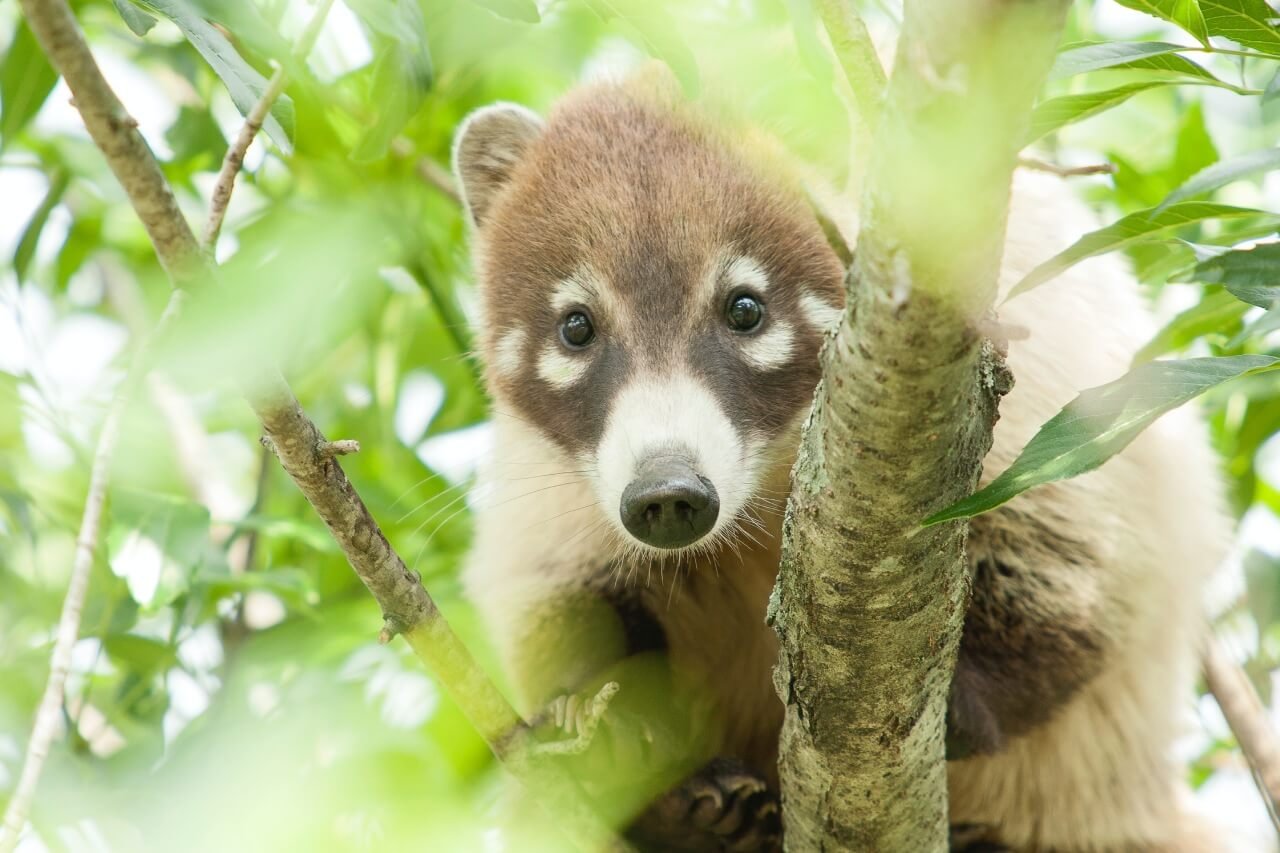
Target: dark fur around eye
<point>744,312</point>
<point>576,330</point>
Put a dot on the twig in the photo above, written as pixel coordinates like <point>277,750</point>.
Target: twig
<point>1066,171</point>
<point>428,170</point>
<point>49,713</point>
<point>234,158</point>
<point>297,441</point>
<point>1247,718</point>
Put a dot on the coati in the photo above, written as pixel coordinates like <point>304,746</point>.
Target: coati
<point>654,297</point>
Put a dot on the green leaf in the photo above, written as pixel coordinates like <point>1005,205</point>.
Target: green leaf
<point>1273,89</point>
<point>653,28</point>
<point>805,26</point>
<point>402,71</point>
<point>1143,225</point>
<point>1224,172</point>
<point>1079,59</point>
<point>1264,325</point>
<point>1056,113</point>
<point>143,656</point>
<point>136,19</point>
<point>1245,22</point>
<point>1251,275</point>
<point>244,84</point>
<point>1187,14</point>
<point>26,79</point>
<point>1101,422</point>
<point>525,11</point>
<point>1218,312</point>
<point>26,250</point>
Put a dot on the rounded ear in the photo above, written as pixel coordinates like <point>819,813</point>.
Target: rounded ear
<point>487,146</point>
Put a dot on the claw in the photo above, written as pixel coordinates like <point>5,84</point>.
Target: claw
<point>578,718</point>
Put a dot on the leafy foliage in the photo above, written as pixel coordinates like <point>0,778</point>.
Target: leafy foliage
<point>228,664</point>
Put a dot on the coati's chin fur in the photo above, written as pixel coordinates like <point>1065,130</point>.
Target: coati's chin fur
<point>1079,651</point>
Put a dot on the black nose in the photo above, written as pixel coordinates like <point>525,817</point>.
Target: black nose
<point>668,505</point>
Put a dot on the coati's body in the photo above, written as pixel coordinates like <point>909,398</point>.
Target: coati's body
<point>1080,646</point>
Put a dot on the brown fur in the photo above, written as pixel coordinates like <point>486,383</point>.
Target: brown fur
<point>1080,641</point>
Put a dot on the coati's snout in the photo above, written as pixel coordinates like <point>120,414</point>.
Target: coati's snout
<point>668,504</point>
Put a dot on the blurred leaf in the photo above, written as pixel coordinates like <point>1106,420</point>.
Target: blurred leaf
<point>59,179</point>
<point>310,534</point>
<point>1142,225</point>
<point>1252,275</point>
<point>136,19</point>
<point>1218,312</point>
<point>1272,90</point>
<point>84,237</point>
<point>402,71</point>
<point>244,84</point>
<point>1056,113</point>
<point>1264,325</point>
<point>292,585</point>
<point>525,11</point>
<point>1224,172</point>
<point>26,79</point>
<point>1262,583</point>
<point>144,656</point>
<point>804,24</point>
<point>660,36</point>
<point>194,133</point>
<point>1101,422</point>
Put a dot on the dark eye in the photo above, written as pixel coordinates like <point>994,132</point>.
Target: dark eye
<point>744,312</point>
<point>576,330</point>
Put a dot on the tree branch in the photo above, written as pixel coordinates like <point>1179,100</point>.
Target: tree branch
<point>857,57</point>
<point>49,712</point>
<point>869,606</point>
<point>303,451</point>
<point>234,158</point>
<point>1247,718</point>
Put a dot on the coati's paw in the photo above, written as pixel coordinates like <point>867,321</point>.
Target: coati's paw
<point>975,838</point>
<point>723,807</point>
<point>573,719</point>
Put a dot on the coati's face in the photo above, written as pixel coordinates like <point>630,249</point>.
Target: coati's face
<point>651,304</point>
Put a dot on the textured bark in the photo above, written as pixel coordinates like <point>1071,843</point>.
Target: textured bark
<point>868,605</point>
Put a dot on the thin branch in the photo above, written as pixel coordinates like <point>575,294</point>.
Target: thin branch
<point>49,713</point>
<point>431,172</point>
<point>1066,171</point>
<point>1248,720</point>
<point>298,442</point>
<point>116,134</point>
<point>234,158</point>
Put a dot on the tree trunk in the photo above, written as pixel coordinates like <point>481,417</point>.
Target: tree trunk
<point>868,605</point>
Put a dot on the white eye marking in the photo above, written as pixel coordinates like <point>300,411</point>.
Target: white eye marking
<point>508,354</point>
<point>819,313</point>
<point>746,272</point>
<point>773,348</point>
<point>652,415</point>
<point>559,368</point>
<point>581,288</point>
